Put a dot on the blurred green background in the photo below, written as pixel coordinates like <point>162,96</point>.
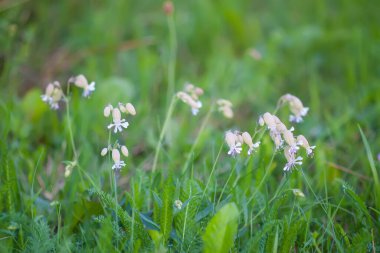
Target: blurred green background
<point>325,52</point>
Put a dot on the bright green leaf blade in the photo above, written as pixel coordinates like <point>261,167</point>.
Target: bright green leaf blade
<point>221,230</point>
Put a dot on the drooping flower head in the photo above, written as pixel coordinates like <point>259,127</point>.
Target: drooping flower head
<point>302,141</point>
<point>225,106</point>
<point>248,140</point>
<point>233,143</point>
<point>292,160</point>
<point>118,123</point>
<point>190,96</point>
<point>296,107</point>
<point>81,82</point>
<point>53,95</point>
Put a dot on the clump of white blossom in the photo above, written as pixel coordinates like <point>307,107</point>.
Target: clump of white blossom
<point>54,94</point>
<point>118,124</point>
<point>235,140</point>
<point>81,82</point>
<point>282,136</point>
<point>190,96</point>
<point>295,106</point>
<point>225,107</point>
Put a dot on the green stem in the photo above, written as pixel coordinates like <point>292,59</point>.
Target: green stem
<point>163,131</point>
<point>69,124</point>
<point>204,123</point>
<point>172,55</point>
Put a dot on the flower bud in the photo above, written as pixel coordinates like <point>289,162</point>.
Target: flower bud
<point>104,151</point>
<point>124,151</point>
<point>116,115</point>
<point>168,8</point>
<point>107,110</point>
<point>115,155</point>
<point>130,109</point>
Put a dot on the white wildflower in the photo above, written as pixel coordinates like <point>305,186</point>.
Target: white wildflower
<point>53,95</point>
<point>233,143</point>
<point>118,164</point>
<point>225,106</point>
<point>302,141</point>
<point>118,123</point>
<point>296,107</point>
<point>81,82</point>
<point>190,96</point>
<point>292,160</point>
<point>248,140</point>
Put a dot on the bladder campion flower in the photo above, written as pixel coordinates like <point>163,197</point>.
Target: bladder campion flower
<point>291,141</point>
<point>233,143</point>
<point>248,140</point>
<point>302,141</point>
<point>81,82</point>
<point>225,106</point>
<point>293,161</point>
<point>190,96</point>
<point>118,123</point>
<point>296,107</point>
<point>118,164</point>
<point>53,95</point>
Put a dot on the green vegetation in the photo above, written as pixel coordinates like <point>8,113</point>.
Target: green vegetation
<point>180,191</point>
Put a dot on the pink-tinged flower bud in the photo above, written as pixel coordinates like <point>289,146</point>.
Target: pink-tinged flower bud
<point>269,120</point>
<point>115,155</point>
<point>122,108</point>
<point>104,151</point>
<point>124,151</point>
<point>49,89</point>
<point>130,109</point>
<point>247,139</point>
<point>80,81</point>
<point>107,110</point>
<point>289,138</point>
<point>116,115</point>
<point>230,138</point>
<point>168,7</point>
<point>228,113</point>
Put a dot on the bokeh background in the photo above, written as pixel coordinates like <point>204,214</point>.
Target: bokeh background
<point>325,52</point>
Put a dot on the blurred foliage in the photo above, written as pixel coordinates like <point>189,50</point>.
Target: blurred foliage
<point>325,52</point>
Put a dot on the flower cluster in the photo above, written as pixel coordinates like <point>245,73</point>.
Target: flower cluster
<point>190,96</point>
<point>53,95</point>
<point>118,163</point>
<point>118,124</point>
<point>284,138</point>
<point>235,140</point>
<point>81,82</point>
<point>225,106</point>
<point>296,107</point>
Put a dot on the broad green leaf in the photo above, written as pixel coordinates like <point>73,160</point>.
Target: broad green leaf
<point>221,230</point>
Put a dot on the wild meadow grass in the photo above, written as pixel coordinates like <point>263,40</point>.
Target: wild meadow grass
<point>193,126</point>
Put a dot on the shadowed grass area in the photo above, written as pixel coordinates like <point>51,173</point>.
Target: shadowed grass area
<point>179,182</point>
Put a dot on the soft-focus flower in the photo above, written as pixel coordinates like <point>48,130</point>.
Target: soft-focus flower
<point>104,151</point>
<point>225,106</point>
<point>302,141</point>
<point>107,110</point>
<point>118,164</point>
<point>53,95</point>
<point>296,107</point>
<point>118,123</point>
<point>233,143</point>
<point>188,99</point>
<point>291,141</point>
<point>81,82</point>
<point>255,54</point>
<point>248,140</point>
